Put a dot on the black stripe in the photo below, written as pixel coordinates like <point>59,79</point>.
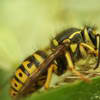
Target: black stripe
<point>24,70</point>
<point>18,80</point>
<point>35,61</point>
<point>78,52</point>
<point>30,58</point>
<point>41,53</point>
<point>93,38</point>
<point>14,89</point>
<point>82,33</point>
<point>30,65</point>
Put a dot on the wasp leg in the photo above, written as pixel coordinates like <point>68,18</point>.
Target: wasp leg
<point>82,51</point>
<point>72,68</point>
<point>92,50</point>
<point>98,48</point>
<point>96,52</point>
<point>51,69</point>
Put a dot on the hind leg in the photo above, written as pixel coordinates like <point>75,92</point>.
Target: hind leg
<point>51,69</point>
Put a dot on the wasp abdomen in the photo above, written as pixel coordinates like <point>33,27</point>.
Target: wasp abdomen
<point>24,71</point>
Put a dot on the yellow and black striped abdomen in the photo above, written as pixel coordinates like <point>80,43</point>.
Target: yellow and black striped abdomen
<point>24,71</point>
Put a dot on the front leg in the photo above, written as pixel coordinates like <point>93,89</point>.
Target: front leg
<point>98,49</point>
<point>72,67</point>
<point>91,49</point>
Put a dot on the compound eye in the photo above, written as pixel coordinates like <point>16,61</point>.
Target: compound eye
<point>92,30</point>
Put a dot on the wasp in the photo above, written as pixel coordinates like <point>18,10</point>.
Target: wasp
<point>66,48</point>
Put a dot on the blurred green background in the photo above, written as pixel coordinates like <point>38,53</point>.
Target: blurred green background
<point>27,25</point>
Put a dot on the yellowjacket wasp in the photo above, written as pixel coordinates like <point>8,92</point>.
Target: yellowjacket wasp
<point>66,48</point>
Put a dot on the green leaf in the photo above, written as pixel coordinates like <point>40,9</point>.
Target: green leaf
<point>76,91</point>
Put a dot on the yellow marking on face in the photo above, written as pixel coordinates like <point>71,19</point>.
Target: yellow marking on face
<point>29,69</point>
<point>88,40</point>
<point>73,47</point>
<point>55,42</point>
<point>38,57</point>
<point>21,75</point>
<point>16,85</point>
<point>78,32</point>
<point>13,93</point>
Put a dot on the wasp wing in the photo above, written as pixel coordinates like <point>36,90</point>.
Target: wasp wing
<point>43,67</point>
